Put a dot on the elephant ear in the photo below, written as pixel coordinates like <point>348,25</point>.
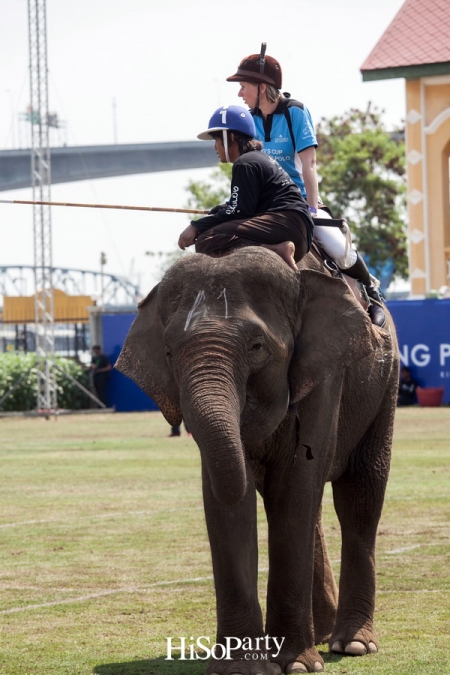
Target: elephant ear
<point>334,332</point>
<point>143,359</point>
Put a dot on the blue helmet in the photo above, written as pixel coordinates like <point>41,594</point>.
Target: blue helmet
<point>230,118</point>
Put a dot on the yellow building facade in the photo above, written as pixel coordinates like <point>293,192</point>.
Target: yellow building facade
<point>428,157</point>
<point>416,47</point>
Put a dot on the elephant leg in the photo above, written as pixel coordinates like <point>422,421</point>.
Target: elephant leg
<point>232,532</point>
<point>325,593</point>
<point>292,510</point>
<point>358,498</point>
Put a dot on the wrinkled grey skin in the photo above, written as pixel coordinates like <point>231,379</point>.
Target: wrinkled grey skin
<point>284,384</point>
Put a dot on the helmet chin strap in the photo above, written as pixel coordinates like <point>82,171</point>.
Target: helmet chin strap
<point>258,97</point>
<point>225,144</point>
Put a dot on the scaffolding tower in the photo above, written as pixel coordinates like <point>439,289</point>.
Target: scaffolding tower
<point>46,401</point>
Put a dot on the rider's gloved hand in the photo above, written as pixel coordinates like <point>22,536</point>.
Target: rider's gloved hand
<point>217,208</point>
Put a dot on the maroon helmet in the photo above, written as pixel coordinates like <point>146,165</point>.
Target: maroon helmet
<point>258,68</point>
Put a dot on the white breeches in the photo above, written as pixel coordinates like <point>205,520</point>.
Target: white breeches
<point>337,244</point>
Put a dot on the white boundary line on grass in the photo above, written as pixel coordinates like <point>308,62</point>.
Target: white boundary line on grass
<point>158,584</point>
<point>100,594</point>
<point>404,549</point>
<point>115,514</point>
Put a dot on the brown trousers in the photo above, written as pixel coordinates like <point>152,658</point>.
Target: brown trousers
<point>269,228</point>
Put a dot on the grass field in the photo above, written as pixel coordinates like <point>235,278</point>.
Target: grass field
<point>104,552</point>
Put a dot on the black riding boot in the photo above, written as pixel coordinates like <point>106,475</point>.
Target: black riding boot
<point>360,272</point>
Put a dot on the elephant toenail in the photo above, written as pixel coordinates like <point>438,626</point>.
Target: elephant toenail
<point>318,667</point>
<point>373,649</point>
<point>337,647</point>
<point>355,648</point>
<point>276,669</point>
<point>297,667</point>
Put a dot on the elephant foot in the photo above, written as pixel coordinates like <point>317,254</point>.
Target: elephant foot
<point>298,667</point>
<point>354,643</point>
<point>308,661</point>
<point>243,668</point>
<point>354,648</point>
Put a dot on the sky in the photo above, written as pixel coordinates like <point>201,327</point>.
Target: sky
<point>147,71</point>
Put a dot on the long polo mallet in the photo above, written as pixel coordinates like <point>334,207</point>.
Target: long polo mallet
<point>328,222</point>
<point>103,206</point>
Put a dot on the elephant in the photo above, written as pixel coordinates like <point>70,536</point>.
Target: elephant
<point>285,384</point>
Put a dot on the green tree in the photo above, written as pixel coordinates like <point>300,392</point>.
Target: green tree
<point>206,194</point>
<point>362,179</point>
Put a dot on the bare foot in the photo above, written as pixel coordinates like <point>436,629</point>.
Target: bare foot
<point>285,250</point>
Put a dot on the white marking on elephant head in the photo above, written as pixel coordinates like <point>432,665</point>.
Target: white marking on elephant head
<point>196,310</point>
<point>224,294</point>
<point>200,308</point>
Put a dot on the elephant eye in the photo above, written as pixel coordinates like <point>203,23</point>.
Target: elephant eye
<point>257,345</point>
<point>258,351</point>
<point>168,352</point>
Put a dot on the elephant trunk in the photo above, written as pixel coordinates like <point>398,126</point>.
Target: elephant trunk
<point>212,408</point>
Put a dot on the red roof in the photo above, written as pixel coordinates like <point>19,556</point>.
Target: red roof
<point>419,34</point>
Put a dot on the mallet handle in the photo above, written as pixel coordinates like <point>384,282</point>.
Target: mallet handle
<point>103,206</point>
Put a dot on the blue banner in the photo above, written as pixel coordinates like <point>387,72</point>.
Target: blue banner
<point>121,392</point>
<point>423,332</point>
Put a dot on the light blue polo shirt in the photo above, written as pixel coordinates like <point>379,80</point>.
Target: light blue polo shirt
<point>280,145</point>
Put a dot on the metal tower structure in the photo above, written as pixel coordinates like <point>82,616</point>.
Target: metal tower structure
<point>42,226</point>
